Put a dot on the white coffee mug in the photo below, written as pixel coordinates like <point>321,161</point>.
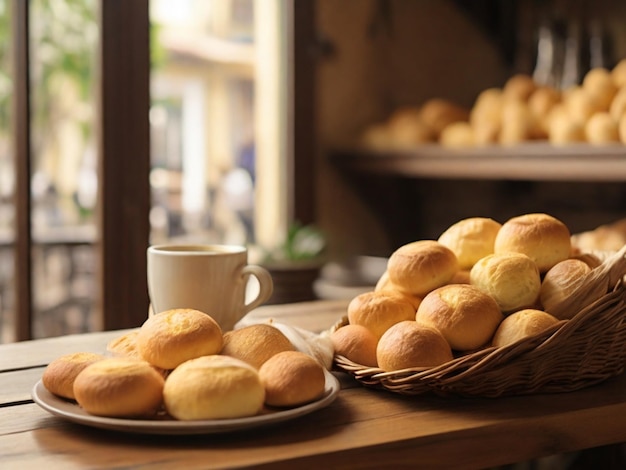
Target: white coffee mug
<point>209,278</point>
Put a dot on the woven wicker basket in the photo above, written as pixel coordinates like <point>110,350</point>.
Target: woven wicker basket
<point>576,353</point>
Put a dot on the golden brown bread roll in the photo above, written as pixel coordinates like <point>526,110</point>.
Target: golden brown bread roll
<point>292,378</point>
<point>356,343</point>
<point>560,282</point>
<point>386,286</point>
<point>518,123</point>
<point>378,310</point>
<point>563,128</point>
<point>172,337</point>
<point>599,84</point>
<point>213,387</point>
<point>457,135</point>
<point>470,239</point>
<point>540,104</point>
<point>461,277</point>
<point>607,237</point>
<point>519,86</point>
<point>439,113</point>
<point>522,324</point>
<point>486,116</point>
<point>601,129</point>
<point>421,266</point>
<point>411,344</point>
<point>580,105</point>
<point>465,315</point>
<point>406,128</point>
<point>618,74</point>
<point>255,344</point>
<point>542,237</point>
<point>119,387</point>
<point>512,279</point>
<point>125,345</point>
<point>59,375</point>
<point>593,260</point>
<point>618,105</point>
<point>621,128</point>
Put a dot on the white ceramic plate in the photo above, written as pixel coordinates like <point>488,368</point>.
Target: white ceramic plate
<point>71,411</point>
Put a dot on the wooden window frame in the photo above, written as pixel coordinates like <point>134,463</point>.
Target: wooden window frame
<point>123,170</point>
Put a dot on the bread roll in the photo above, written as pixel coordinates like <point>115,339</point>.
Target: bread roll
<point>465,316</point>
<point>618,74</point>
<point>601,129</point>
<point>384,283</point>
<point>512,279</point>
<point>356,343</point>
<point>581,105</point>
<point>520,87</point>
<point>59,375</point>
<point>593,260</point>
<point>486,116</point>
<point>621,128</point>
<point>255,344</point>
<point>461,277</point>
<point>540,104</point>
<point>386,286</point>
<point>125,345</point>
<point>406,128</point>
<point>563,129</point>
<point>457,135</point>
<point>438,114</point>
<point>410,344</point>
<point>470,239</point>
<point>421,266</point>
<point>213,387</point>
<point>518,123</point>
<point>618,105</point>
<point>377,311</point>
<point>599,84</point>
<point>560,282</point>
<point>119,387</point>
<point>172,337</point>
<point>292,378</point>
<point>603,238</point>
<point>522,324</point>
<point>543,238</point>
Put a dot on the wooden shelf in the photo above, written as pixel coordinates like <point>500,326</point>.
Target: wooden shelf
<point>538,161</point>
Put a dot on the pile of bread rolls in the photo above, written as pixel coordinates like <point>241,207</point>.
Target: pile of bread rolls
<point>521,110</point>
<point>481,284</point>
<point>180,365</point>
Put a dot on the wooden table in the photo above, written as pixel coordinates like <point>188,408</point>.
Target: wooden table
<point>362,428</point>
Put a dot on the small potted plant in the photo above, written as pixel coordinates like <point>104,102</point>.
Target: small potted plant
<point>295,264</point>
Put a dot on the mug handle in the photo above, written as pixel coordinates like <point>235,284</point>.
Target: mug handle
<point>266,285</point>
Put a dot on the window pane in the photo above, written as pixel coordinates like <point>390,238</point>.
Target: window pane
<point>202,120</point>
<point>7,180</point>
<point>64,35</point>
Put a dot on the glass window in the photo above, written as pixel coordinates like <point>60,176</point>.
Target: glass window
<point>202,120</point>
<point>64,44</point>
<point>7,178</point>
